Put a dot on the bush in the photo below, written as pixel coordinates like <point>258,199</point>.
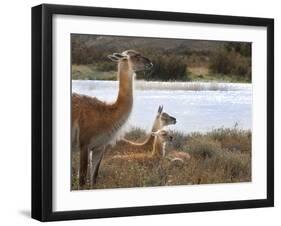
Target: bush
<point>179,140</point>
<point>233,139</point>
<point>167,67</point>
<point>204,147</point>
<point>236,165</point>
<point>231,63</point>
<point>135,134</point>
<point>243,48</point>
<point>105,65</point>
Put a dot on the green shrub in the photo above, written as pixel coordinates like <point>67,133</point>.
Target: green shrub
<point>106,66</point>
<point>230,63</point>
<point>167,67</point>
<point>243,48</point>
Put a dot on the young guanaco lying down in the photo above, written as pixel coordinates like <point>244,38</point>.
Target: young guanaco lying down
<point>160,150</point>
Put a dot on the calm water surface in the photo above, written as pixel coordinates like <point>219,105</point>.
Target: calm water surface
<point>198,106</point>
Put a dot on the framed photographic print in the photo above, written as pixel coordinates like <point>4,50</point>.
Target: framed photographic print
<point>146,112</point>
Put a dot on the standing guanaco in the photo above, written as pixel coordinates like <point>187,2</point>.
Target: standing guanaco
<point>96,123</point>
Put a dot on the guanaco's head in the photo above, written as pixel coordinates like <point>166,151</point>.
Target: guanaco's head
<point>134,58</point>
<point>163,136</point>
<point>164,119</point>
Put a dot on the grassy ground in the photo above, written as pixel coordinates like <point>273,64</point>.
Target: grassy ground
<point>202,73</point>
<point>220,156</point>
<point>89,72</point>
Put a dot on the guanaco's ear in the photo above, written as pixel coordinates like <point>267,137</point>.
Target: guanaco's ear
<point>113,58</point>
<point>116,57</point>
<point>160,109</point>
<point>119,55</point>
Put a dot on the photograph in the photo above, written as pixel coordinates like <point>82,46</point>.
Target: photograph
<point>149,111</point>
<point>142,112</point>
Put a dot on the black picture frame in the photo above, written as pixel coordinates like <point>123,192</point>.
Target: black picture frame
<point>42,108</point>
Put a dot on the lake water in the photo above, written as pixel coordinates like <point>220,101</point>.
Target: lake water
<point>198,106</point>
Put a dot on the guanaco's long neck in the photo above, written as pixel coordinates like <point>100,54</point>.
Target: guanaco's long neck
<point>157,148</point>
<point>124,102</point>
<point>157,124</point>
<point>149,140</point>
<point>126,77</point>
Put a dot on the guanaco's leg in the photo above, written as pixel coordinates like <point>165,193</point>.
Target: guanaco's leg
<point>97,155</point>
<point>83,166</point>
